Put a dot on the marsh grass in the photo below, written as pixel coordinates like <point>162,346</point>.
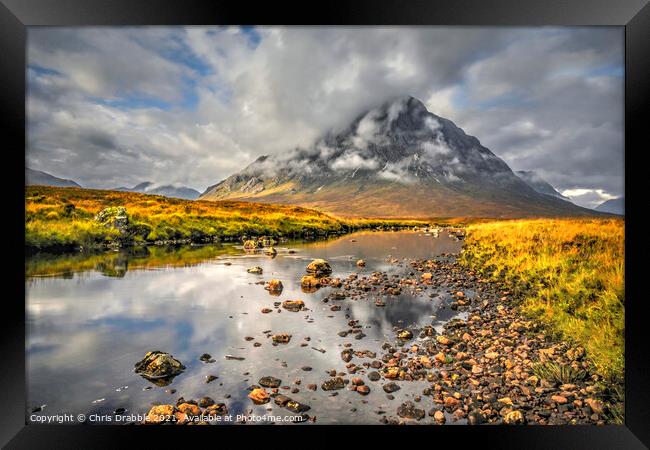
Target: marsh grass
<point>569,274</point>
<point>558,373</point>
<point>65,218</point>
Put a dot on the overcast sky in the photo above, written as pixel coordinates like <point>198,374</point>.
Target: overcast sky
<point>112,107</point>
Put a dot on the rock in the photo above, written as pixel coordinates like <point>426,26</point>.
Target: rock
<point>440,357</point>
<point>251,244</point>
<point>310,281</point>
<point>333,384</point>
<point>346,355</point>
<point>312,387</point>
<point>559,399</point>
<point>357,381</point>
<point>160,414</point>
<point>114,217</point>
<point>443,340</point>
<point>205,402</point>
<point>270,382</point>
<point>259,396</point>
<point>271,251</point>
<point>159,367</point>
<point>293,305</point>
<point>390,388</point>
<point>256,270</point>
<point>595,405</point>
<point>427,276</point>
<point>374,376</point>
<point>439,417</point>
<point>281,338</point>
<point>210,378</point>
<point>391,372</point>
<point>505,401</point>
<point>218,409</point>
<point>190,409</point>
<point>319,267</point>
<point>281,400</point>
<point>451,402</point>
<point>514,418</point>
<point>234,358</point>
<point>361,263</point>
<point>206,357</point>
<point>408,410</point>
<point>405,335</point>
<point>274,286</point>
<point>266,310</point>
<point>363,390</point>
<point>296,407</point>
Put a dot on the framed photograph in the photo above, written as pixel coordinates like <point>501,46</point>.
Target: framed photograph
<point>365,217</point>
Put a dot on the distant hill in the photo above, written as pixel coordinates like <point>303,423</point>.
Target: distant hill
<point>534,180</point>
<point>396,160</point>
<point>36,177</point>
<point>613,206</point>
<point>167,190</point>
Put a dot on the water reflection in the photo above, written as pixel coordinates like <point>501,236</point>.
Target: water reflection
<point>94,316</point>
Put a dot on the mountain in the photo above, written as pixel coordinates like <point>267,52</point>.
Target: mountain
<point>396,160</point>
<point>534,180</point>
<point>167,190</point>
<point>613,206</point>
<point>36,177</point>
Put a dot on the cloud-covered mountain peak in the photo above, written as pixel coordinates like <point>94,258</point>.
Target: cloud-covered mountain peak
<point>397,153</point>
<point>398,141</point>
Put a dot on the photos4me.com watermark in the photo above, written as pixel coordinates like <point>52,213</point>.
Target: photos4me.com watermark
<point>158,419</point>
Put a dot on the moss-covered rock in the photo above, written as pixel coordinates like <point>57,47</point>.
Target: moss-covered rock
<point>114,217</point>
<point>319,267</point>
<point>159,367</point>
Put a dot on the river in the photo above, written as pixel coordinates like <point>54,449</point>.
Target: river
<point>90,318</point>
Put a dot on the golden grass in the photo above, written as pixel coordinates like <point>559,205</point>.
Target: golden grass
<point>64,217</point>
<point>570,273</point>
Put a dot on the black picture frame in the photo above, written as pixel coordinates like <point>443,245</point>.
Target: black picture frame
<point>634,15</point>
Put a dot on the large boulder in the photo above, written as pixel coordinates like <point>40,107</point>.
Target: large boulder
<point>115,217</point>
<point>319,267</point>
<point>159,367</point>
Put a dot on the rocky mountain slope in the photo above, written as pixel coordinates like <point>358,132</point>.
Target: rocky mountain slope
<point>396,160</point>
<point>534,180</point>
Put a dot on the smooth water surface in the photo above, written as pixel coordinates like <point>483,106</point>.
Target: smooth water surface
<point>91,318</point>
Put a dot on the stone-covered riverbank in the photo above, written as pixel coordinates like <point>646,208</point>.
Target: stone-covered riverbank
<point>484,364</point>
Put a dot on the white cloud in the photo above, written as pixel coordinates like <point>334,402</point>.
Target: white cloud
<point>589,198</point>
<point>353,161</point>
<point>193,105</point>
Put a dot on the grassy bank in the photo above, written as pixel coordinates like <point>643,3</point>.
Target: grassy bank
<point>570,275</point>
<point>65,218</point>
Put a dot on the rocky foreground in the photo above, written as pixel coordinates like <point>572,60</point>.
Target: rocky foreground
<point>487,365</point>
